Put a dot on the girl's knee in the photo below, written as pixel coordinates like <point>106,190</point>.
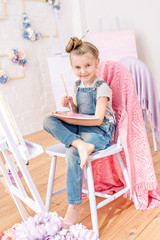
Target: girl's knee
<point>89,137</point>
<point>48,122</point>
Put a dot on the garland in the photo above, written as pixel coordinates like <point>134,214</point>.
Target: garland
<point>3,76</point>
<point>18,56</point>
<point>54,3</point>
<point>28,32</point>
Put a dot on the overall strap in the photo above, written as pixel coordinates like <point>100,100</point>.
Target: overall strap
<point>98,83</point>
<point>77,83</point>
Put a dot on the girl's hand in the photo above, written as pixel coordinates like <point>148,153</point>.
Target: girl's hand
<point>60,113</point>
<point>67,101</point>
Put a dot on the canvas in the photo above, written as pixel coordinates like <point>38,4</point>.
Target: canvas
<point>114,45</point>
<point>61,65</point>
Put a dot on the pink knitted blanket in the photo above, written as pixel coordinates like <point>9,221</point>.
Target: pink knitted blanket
<point>132,132</point>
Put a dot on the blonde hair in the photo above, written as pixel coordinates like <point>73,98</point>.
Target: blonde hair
<point>77,47</point>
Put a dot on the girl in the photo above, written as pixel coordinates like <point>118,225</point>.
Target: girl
<point>92,96</point>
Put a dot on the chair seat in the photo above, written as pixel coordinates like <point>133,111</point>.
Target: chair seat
<point>59,150</point>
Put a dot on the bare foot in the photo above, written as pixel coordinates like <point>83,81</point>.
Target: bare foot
<point>84,149</point>
<point>72,215</point>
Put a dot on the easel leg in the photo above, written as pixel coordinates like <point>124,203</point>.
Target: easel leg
<point>24,214</point>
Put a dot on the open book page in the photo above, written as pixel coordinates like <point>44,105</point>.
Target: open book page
<point>73,115</point>
<point>76,118</point>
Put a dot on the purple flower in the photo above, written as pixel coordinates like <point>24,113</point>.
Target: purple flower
<point>14,60</point>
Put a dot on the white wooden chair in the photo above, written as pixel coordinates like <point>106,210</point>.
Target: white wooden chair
<point>58,150</point>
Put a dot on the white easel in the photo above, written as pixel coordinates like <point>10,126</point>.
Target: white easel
<point>23,151</point>
<point>8,144</point>
<point>60,36</point>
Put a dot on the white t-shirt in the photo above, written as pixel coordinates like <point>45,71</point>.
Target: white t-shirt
<point>102,91</point>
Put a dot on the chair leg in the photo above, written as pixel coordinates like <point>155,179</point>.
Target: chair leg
<point>123,168</point>
<point>135,200</point>
<point>126,177</point>
<point>154,140</point>
<point>144,113</point>
<point>153,132</point>
<point>92,199</point>
<point>50,183</point>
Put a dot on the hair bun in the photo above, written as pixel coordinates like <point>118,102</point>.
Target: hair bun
<point>72,44</point>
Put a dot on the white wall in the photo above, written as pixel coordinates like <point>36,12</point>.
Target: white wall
<point>31,98</point>
<point>140,15</point>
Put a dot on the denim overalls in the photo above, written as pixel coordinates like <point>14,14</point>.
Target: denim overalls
<point>86,102</point>
<point>100,136</point>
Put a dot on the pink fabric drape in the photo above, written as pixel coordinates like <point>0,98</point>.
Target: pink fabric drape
<point>136,154</point>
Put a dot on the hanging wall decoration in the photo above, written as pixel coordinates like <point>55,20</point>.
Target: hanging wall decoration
<point>4,10</point>
<point>3,76</point>
<point>16,56</point>
<point>54,3</point>
<point>28,30</point>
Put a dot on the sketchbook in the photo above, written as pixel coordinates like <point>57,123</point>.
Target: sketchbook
<point>70,115</point>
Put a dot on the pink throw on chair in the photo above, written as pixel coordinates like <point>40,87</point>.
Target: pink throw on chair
<point>136,154</point>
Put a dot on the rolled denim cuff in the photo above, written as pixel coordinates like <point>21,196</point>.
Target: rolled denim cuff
<point>74,202</point>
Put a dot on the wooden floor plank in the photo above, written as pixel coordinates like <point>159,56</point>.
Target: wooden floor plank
<point>152,231</point>
<point>118,220</point>
<point>129,224</point>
